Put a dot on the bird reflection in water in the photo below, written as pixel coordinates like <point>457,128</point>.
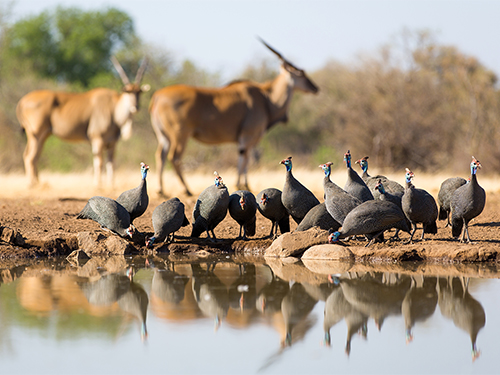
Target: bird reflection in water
<point>210,293</point>
<point>120,288</point>
<point>457,304</point>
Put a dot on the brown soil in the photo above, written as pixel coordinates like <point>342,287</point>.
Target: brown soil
<point>45,217</point>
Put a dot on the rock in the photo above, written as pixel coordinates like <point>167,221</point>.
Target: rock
<point>328,267</point>
<point>11,236</point>
<point>295,243</point>
<point>78,258</point>
<point>328,251</point>
<point>98,243</point>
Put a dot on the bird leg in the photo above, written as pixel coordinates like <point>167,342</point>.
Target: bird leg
<point>374,238</point>
<point>410,241</point>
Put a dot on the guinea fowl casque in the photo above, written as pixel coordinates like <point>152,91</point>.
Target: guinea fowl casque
<point>210,208</point>
<point>338,202</point>
<point>467,202</point>
<point>296,198</point>
<point>168,217</point>
<point>370,181</point>
<point>109,214</point>
<point>371,218</point>
<point>446,190</point>
<point>242,208</point>
<point>419,207</point>
<point>136,200</point>
<point>355,184</point>
<point>271,207</point>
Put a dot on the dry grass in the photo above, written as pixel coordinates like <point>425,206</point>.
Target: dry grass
<point>80,186</point>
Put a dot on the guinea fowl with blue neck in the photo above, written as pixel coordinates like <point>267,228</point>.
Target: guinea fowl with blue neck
<point>355,184</point>
<point>446,191</point>
<point>370,181</point>
<point>136,200</point>
<point>467,202</point>
<point>168,218</point>
<point>296,198</point>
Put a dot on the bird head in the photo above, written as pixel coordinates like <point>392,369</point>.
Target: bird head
<point>475,165</point>
<point>243,203</point>
<point>150,241</point>
<point>218,180</point>
<point>144,169</point>
<point>287,163</point>
<point>130,231</point>
<point>334,237</point>
<point>380,187</point>
<point>264,199</point>
<point>327,168</point>
<point>363,163</point>
<point>347,159</point>
<point>409,175</point>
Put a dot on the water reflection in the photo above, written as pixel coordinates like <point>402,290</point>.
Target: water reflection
<point>241,294</point>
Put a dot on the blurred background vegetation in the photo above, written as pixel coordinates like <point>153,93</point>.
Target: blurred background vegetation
<point>412,103</point>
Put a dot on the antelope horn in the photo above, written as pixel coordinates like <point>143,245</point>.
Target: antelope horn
<point>140,72</point>
<point>280,56</point>
<point>120,70</point>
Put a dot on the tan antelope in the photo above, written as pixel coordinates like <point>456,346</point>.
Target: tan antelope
<point>240,112</point>
<point>99,116</point>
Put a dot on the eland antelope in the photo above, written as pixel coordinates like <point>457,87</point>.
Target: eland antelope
<point>240,112</point>
<point>100,116</point>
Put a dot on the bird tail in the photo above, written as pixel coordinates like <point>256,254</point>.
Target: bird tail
<point>431,227</point>
<point>443,214</point>
<point>284,224</point>
<point>456,227</point>
<point>185,222</point>
<point>198,227</point>
<point>250,227</point>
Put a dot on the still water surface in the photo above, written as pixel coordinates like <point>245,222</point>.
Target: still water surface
<point>240,317</point>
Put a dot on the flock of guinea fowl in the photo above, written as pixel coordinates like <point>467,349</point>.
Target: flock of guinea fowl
<point>367,206</point>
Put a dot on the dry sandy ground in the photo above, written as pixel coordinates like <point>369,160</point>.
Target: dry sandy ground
<point>51,208</point>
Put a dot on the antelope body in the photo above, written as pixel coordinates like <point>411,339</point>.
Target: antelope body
<point>240,112</point>
<point>99,116</point>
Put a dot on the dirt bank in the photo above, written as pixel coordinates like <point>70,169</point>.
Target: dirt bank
<point>42,222</point>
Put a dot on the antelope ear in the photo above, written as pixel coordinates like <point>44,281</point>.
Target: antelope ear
<point>145,88</point>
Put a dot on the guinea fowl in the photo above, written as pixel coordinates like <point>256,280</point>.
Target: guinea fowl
<point>168,218</point>
<point>467,202</point>
<point>355,184</point>
<point>242,208</point>
<point>371,218</point>
<point>109,214</point>
<point>136,200</point>
<point>390,197</point>
<point>419,207</point>
<point>296,198</point>
<point>271,207</point>
<point>318,216</point>
<point>338,202</point>
<point>210,208</point>
<point>446,190</point>
<point>389,185</point>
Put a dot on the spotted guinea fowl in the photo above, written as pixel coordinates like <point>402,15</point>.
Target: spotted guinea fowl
<point>168,217</point>
<point>210,208</point>
<point>242,208</point>
<point>136,200</point>
<point>296,198</point>
<point>419,207</point>
<point>355,184</point>
<point>467,202</point>
<point>271,207</point>
<point>390,197</point>
<point>390,186</point>
<point>109,214</point>
<point>318,216</point>
<point>338,202</point>
<point>371,218</point>
<point>446,190</point>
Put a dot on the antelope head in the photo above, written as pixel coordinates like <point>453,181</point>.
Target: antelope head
<point>130,90</point>
<point>300,80</point>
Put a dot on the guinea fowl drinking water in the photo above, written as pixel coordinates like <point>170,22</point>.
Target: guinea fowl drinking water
<point>338,202</point>
<point>371,218</point>
<point>210,208</point>
<point>467,202</point>
<point>446,190</point>
<point>168,218</point>
<point>370,181</point>
<point>109,214</point>
<point>419,207</point>
<point>271,207</point>
<point>355,184</point>
<point>242,208</point>
<point>136,200</point>
<point>296,198</point>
